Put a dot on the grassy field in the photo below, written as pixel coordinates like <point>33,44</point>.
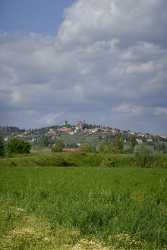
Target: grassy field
<point>79,160</point>
<point>45,207</point>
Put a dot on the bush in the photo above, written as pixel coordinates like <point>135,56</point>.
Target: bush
<point>108,162</point>
<point>19,146</point>
<point>58,147</point>
<point>144,156</point>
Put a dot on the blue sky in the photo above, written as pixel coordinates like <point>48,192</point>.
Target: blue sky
<point>41,16</point>
<point>93,60</point>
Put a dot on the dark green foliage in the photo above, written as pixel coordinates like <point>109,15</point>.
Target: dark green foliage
<point>2,146</point>
<point>16,146</point>
<point>43,141</point>
<point>132,140</point>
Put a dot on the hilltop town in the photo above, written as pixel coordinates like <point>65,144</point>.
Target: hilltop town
<point>81,132</point>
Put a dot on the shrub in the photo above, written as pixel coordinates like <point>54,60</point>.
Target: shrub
<point>144,156</point>
<point>108,162</point>
<point>58,147</point>
<point>19,146</point>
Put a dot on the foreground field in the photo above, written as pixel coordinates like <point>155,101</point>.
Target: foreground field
<point>83,208</point>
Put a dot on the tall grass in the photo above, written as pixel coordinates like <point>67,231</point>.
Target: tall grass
<point>121,207</point>
<point>82,160</point>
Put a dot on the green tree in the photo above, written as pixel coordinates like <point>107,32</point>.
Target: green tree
<point>2,146</point>
<point>19,146</point>
<point>66,124</point>
<point>44,141</point>
<point>58,146</point>
<point>118,144</point>
<point>132,140</point>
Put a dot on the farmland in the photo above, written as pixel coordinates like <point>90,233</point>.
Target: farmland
<point>67,206</point>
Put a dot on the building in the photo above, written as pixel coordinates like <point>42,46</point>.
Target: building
<point>65,130</point>
<point>71,150</point>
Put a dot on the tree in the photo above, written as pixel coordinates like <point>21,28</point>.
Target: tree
<point>19,146</point>
<point>2,147</point>
<point>132,140</point>
<point>44,141</point>
<point>118,144</point>
<point>58,146</point>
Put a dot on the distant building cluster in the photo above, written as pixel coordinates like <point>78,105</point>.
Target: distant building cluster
<point>72,135</point>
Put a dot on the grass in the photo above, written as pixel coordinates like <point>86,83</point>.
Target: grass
<point>79,160</point>
<point>45,207</point>
<point>67,159</point>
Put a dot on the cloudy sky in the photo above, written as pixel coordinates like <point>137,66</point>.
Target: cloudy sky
<point>93,60</point>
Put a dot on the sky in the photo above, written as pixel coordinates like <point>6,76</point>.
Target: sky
<point>99,61</point>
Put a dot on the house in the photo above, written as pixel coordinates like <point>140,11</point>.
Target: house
<point>71,150</point>
<point>150,140</point>
<point>65,130</point>
<point>139,141</point>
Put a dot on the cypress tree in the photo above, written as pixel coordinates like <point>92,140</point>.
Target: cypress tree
<point>2,147</point>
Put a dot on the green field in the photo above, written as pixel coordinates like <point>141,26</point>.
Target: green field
<point>45,207</point>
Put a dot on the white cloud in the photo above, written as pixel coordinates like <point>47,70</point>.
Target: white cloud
<point>88,21</point>
<point>129,109</point>
<point>109,56</point>
<point>51,118</point>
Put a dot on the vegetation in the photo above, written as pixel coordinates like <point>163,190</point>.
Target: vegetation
<point>132,140</point>
<point>2,146</point>
<point>80,160</point>
<point>114,147</point>
<point>84,201</point>
<point>144,156</point>
<point>82,208</point>
<point>17,146</point>
<point>85,148</point>
<point>58,147</point>
<point>118,144</point>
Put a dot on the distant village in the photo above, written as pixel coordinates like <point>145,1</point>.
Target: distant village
<point>81,132</point>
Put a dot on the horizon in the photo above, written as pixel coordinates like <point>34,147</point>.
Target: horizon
<point>74,59</point>
<point>89,123</point>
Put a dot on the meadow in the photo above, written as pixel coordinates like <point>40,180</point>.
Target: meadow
<point>81,202</point>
